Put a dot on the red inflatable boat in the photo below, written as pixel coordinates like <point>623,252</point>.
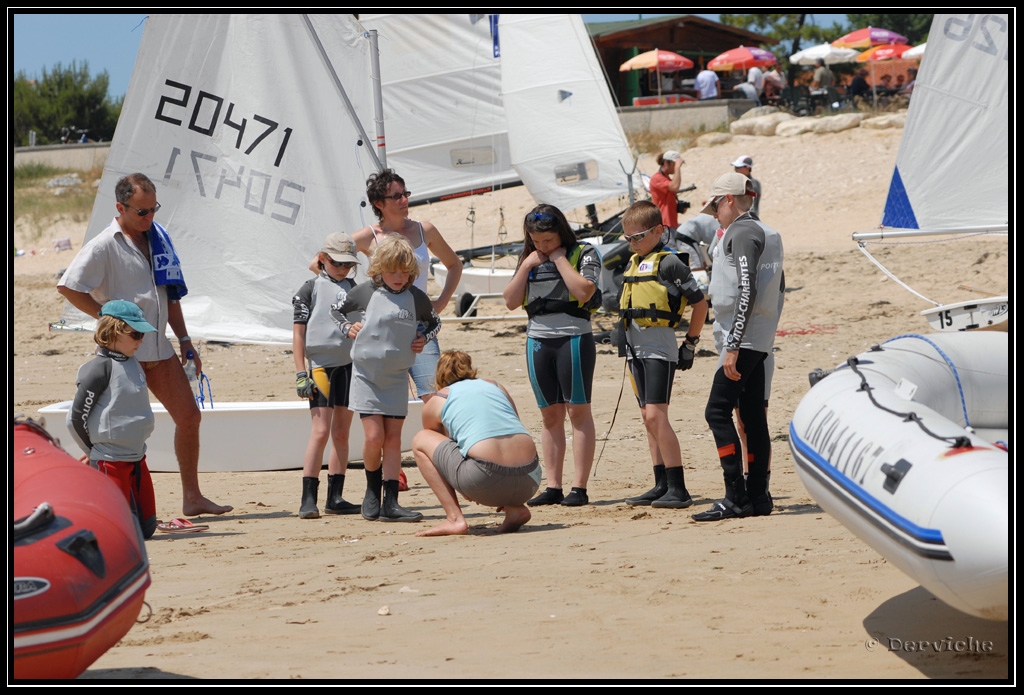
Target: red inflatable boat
<point>80,565</point>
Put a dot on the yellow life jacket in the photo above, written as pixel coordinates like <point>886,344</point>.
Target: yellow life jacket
<point>644,299</point>
<point>551,296</point>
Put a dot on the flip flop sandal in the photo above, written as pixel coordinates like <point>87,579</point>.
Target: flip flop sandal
<point>180,525</point>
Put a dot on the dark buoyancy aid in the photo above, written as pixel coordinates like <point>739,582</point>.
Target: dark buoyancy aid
<point>548,294</point>
<point>644,299</point>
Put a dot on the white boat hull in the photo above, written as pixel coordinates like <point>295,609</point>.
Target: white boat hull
<point>937,511</point>
<point>989,314</point>
<point>475,280</point>
<point>239,436</point>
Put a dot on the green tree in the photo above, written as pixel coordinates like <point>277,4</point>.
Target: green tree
<point>64,98</point>
<point>914,26</point>
<point>791,30</point>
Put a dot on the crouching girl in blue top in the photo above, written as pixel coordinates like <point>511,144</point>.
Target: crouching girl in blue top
<point>473,441</point>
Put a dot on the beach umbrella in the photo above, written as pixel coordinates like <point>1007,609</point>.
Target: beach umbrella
<point>827,52</point>
<point>742,58</point>
<point>915,53</point>
<point>876,53</point>
<point>887,52</point>
<point>868,37</point>
<point>659,60</point>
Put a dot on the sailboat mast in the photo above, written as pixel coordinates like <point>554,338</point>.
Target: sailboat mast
<point>378,98</point>
<point>344,95</point>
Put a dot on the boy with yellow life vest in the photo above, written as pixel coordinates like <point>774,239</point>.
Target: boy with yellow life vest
<point>656,288</point>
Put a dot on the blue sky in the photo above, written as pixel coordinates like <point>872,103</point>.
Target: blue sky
<point>111,41</point>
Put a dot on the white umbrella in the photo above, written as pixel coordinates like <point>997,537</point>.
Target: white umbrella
<point>915,52</point>
<point>827,52</point>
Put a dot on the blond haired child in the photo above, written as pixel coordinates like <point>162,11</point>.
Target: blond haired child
<point>397,321</point>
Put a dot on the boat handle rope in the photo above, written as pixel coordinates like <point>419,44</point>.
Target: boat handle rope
<point>949,362</point>
<point>959,442</point>
<point>204,390</point>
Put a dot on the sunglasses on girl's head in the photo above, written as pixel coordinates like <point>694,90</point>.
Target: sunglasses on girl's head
<point>639,235</point>
<point>348,265</point>
<point>542,218</point>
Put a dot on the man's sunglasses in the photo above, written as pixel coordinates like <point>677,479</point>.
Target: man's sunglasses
<point>142,212</point>
<point>398,196</point>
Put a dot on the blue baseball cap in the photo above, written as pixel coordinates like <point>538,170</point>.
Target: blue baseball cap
<point>129,312</point>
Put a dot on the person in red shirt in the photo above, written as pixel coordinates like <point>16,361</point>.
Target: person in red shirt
<point>665,185</point>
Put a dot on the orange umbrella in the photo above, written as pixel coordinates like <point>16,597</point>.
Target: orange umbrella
<point>742,58</point>
<point>867,37</point>
<point>660,60</point>
<point>886,52</point>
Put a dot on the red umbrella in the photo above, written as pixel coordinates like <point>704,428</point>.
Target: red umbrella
<point>867,37</point>
<point>888,51</point>
<point>742,58</point>
<point>660,60</point>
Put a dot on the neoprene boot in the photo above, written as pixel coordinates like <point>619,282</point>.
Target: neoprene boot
<point>676,496</point>
<point>757,491</point>
<point>659,489</point>
<point>310,487</point>
<point>335,504</point>
<point>390,509</point>
<point>371,500</point>
<point>735,505</point>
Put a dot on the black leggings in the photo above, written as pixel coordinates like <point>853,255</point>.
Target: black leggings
<point>747,394</point>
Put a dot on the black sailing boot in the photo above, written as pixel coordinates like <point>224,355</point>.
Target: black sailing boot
<point>310,487</point>
<point>676,497</point>
<point>371,500</point>
<point>335,504</point>
<point>659,489</point>
<point>390,509</point>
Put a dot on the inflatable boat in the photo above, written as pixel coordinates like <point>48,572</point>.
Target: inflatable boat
<point>80,565</point>
<point>907,446</point>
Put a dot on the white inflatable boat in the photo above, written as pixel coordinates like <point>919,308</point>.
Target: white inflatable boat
<point>907,445</point>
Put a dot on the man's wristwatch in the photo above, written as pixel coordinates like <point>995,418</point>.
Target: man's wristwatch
<point>693,340</point>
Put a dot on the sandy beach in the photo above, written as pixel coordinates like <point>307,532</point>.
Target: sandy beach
<point>605,591</point>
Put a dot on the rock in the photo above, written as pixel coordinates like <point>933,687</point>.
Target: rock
<point>837,123</point>
<point>760,125</point>
<point>710,139</point>
<point>760,111</point>
<point>889,120</point>
<point>796,126</point>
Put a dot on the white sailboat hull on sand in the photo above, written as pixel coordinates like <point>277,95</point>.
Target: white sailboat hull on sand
<point>239,436</point>
<point>936,508</point>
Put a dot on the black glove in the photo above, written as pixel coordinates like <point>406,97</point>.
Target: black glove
<point>686,353</point>
<point>305,387</point>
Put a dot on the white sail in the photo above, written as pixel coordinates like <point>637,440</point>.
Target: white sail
<point>444,119</point>
<point>241,123</point>
<point>567,141</point>
<point>952,169</point>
